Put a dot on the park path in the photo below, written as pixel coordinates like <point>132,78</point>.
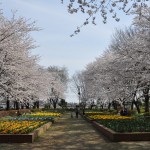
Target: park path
<point>74,134</point>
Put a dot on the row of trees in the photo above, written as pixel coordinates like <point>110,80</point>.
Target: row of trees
<point>122,74</point>
<point>22,80</point>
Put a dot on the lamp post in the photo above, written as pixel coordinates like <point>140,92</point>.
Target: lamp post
<point>79,94</point>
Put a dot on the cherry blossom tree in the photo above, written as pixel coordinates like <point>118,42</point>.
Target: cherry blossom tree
<point>122,73</point>
<point>22,80</point>
<point>79,88</point>
<point>58,84</point>
<point>15,63</point>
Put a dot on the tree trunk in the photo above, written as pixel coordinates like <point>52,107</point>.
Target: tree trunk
<point>132,105</point>
<point>102,107</point>
<point>22,106</point>
<point>37,104</point>
<point>146,96</point>
<point>34,105</point>
<point>91,107</point>
<point>109,105</point>
<point>17,105</point>
<point>14,104</point>
<point>146,103</point>
<point>27,105</point>
<point>114,104</point>
<point>136,105</point>
<point>54,105</point>
<point>54,102</point>
<point>7,104</point>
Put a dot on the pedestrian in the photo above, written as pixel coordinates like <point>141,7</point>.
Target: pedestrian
<point>77,111</point>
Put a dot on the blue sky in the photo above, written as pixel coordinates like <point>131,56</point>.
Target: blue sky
<point>55,45</point>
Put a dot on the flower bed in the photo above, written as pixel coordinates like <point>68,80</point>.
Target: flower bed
<point>90,113</point>
<point>25,128</point>
<point>24,138</point>
<point>44,114</point>
<point>19,127</point>
<point>109,117</point>
<point>121,128</point>
<point>118,137</point>
<point>134,125</point>
<point>32,118</point>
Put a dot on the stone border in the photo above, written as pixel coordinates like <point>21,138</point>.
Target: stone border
<point>24,138</point>
<point>118,137</point>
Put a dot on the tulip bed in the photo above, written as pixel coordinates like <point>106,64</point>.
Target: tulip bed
<point>19,127</point>
<point>38,116</point>
<point>126,125</point>
<point>120,128</point>
<point>120,123</point>
<point>25,128</point>
<point>34,118</point>
<point>44,114</point>
<point>94,113</point>
<point>109,117</point>
<point>26,123</point>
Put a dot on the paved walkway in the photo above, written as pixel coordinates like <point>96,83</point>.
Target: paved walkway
<point>74,134</point>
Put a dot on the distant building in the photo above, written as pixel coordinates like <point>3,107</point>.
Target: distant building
<point>2,105</point>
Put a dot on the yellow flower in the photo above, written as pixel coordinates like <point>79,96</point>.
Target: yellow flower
<point>18,126</point>
<point>114,117</point>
